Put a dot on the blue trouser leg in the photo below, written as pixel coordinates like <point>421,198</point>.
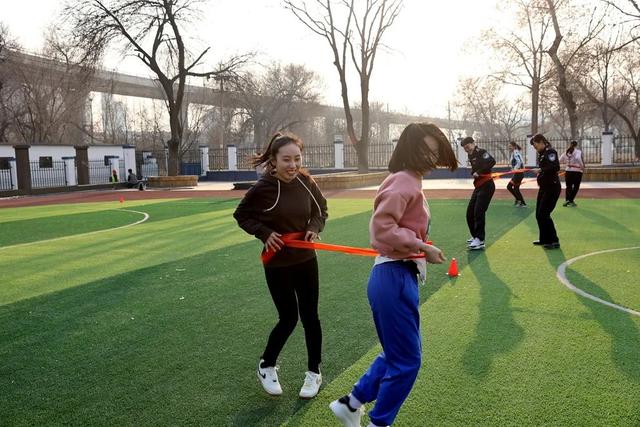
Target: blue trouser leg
<point>394,299</point>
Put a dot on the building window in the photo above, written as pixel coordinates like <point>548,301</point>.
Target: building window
<point>46,162</point>
<point>4,162</point>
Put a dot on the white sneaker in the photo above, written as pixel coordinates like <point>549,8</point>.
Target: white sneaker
<point>348,417</point>
<point>476,244</point>
<point>469,240</point>
<point>311,385</point>
<point>269,379</point>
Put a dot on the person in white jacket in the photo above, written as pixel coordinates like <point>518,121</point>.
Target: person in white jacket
<point>573,172</point>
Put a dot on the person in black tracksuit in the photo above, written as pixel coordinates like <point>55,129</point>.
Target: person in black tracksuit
<point>285,199</point>
<point>481,164</point>
<point>548,192</point>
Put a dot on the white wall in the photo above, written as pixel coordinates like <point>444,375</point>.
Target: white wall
<point>57,152</point>
<point>7,151</point>
<point>97,152</point>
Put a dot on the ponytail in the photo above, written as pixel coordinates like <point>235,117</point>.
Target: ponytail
<point>572,146</point>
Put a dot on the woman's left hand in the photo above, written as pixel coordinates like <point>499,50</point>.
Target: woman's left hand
<point>311,236</point>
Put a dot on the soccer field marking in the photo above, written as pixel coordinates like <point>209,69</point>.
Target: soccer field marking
<point>146,217</point>
<point>561,275</point>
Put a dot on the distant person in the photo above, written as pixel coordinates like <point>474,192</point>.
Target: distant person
<point>481,164</point>
<point>516,179</point>
<point>548,191</point>
<point>133,181</point>
<point>573,173</point>
<point>114,176</point>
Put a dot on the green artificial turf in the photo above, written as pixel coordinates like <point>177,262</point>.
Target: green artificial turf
<point>162,323</point>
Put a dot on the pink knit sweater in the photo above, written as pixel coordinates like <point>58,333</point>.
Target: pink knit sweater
<point>400,216</point>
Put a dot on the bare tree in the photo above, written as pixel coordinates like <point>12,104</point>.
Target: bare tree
<point>358,35</point>
<point>565,61</point>
<point>597,73</point>
<point>522,50</point>
<point>152,29</point>
<point>282,97</point>
<point>480,102</point>
<point>6,43</point>
<point>46,105</point>
<point>624,93</point>
<point>629,11</point>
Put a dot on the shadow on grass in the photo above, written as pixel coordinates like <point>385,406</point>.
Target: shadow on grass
<point>450,236</point>
<point>175,343</point>
<point>620,326</point>
<point>496,331</point>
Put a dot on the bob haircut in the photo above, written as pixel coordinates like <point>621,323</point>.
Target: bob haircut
<point>412,152</point>
<point>277,141</point>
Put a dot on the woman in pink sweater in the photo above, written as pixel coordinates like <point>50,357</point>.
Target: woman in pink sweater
<point>399,230</point>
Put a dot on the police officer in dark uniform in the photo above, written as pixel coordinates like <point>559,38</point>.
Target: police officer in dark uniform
<point>481,164</point>
<point>548,192</point>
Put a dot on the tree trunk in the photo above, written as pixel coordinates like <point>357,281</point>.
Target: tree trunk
<point>365,130</point>
<point>174,142</point>
<point>535,98</point>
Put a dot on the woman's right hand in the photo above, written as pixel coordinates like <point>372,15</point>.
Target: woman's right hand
<point>432,254</point>
<point>274,243</point>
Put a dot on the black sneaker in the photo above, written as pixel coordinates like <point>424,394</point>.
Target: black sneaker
<point>537,243</point>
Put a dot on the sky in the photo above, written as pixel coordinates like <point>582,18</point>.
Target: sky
<point>428,46</point>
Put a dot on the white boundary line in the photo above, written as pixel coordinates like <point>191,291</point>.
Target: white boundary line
<point>561,275</point>
<point>146,217</point>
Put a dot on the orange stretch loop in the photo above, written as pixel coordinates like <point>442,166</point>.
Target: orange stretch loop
<point>292,240</point>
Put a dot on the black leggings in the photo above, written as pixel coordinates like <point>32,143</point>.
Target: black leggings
<point>295,289</point>
<point>573,180</point>
<point>514,186</point>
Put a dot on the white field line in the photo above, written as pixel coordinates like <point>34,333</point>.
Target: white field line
<point>561,275</point>
<point>146,217</point>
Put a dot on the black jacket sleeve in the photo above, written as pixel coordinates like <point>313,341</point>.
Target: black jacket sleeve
<point>319,212</point>
<point>247,214</point>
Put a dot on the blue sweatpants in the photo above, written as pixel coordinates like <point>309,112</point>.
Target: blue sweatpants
<point>394,299</point>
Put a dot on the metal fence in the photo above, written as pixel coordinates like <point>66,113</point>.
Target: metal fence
<point>50,175</point>
<point>99,173</point>
<point>245,157</point>
<point>624,150</point>
<point>590,147</point>
<point>319,156</point>
<point>323,156</point>
<point>499,150</point>
<point>6,181</point>
<point>218,159</point>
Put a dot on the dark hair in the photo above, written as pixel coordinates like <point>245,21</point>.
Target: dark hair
<point>467,140</point>
<point>572,146</point>
<point>514,145</point>
<point>129,170</point>
<point>277,141</point>
<point>412,153</point>
<point>540,138</point>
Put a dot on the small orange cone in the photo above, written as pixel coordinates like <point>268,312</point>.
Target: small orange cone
<point>453,268</point>
<point>121,199</point>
